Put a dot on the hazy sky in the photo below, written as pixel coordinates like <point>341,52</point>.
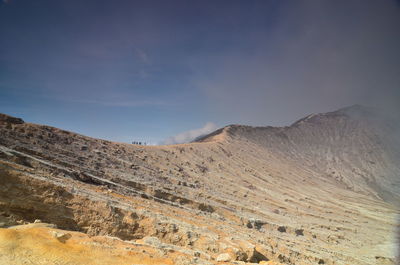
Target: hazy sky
<point>129,70</point>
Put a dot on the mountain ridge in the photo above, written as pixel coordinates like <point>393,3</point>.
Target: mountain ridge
<point>244,194</point>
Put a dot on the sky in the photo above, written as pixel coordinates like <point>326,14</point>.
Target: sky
<point>164,72</point>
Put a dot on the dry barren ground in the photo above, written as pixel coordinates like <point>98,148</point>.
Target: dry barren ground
<point>324,190</point>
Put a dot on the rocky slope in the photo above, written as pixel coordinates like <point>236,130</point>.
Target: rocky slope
<point>324,190</point>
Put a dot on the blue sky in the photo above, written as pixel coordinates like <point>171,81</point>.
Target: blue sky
<point>148,70</point>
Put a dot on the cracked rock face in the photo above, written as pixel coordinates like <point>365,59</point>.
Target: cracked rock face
<point>324,190</point>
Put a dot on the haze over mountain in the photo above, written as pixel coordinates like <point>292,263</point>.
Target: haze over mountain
<point>324,190</point>
<point>146,70</point>
<point>125,156</point>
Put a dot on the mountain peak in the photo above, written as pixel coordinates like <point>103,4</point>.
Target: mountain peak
<point>357,111</point>
<point>10,119</point>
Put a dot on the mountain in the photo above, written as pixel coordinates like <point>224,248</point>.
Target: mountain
<point>352,145</point>
<point>324,190</point>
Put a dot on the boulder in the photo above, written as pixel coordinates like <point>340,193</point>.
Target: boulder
<point>60,236</point>
<point>224,257</point>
